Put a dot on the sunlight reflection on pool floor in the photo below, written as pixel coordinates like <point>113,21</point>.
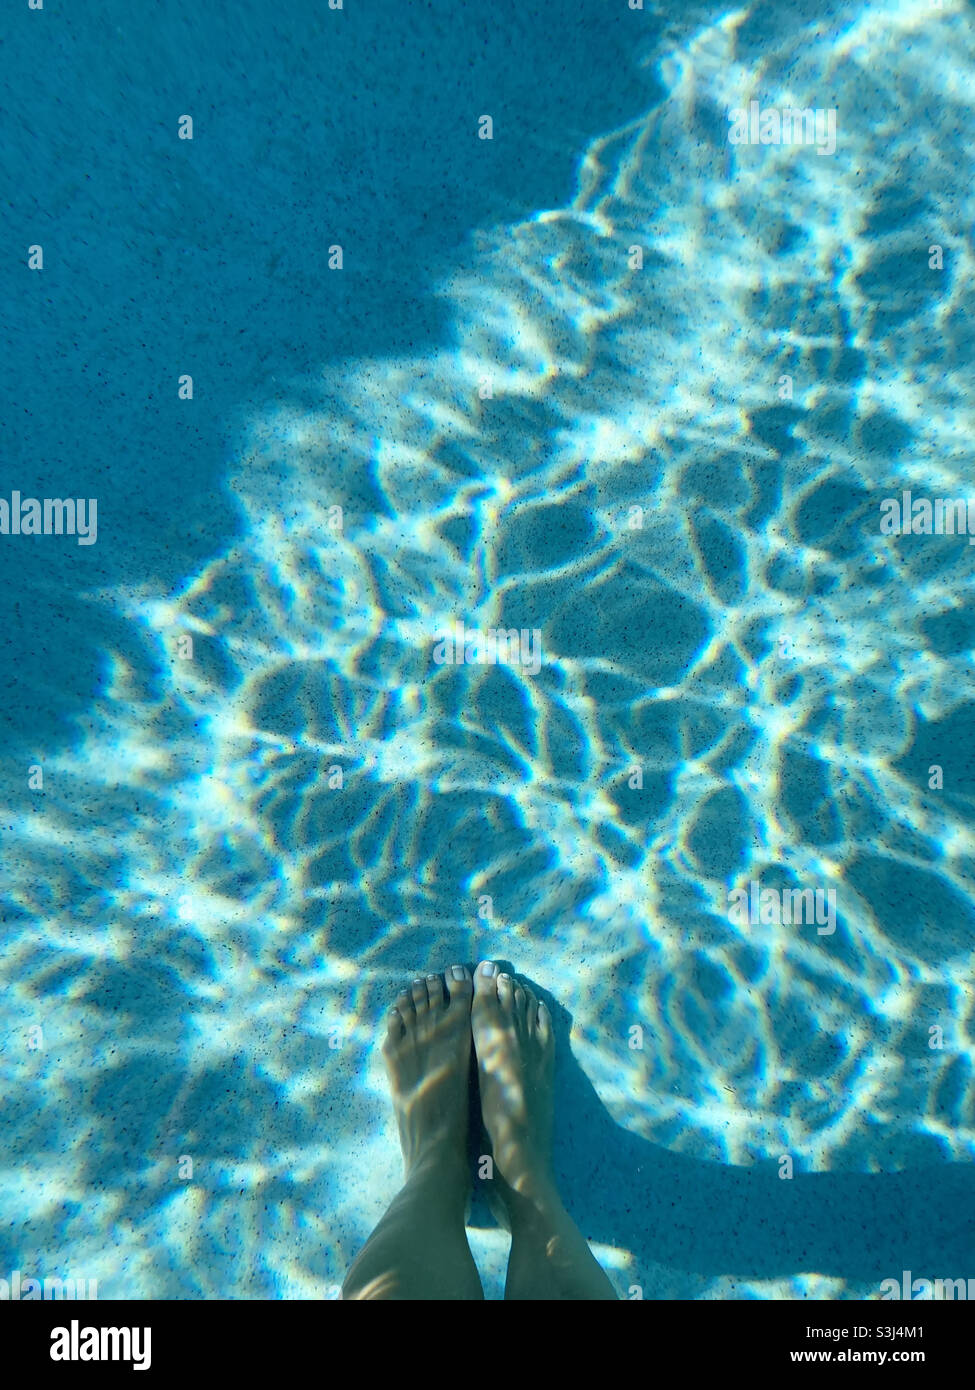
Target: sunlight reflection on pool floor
<point>209,941</point>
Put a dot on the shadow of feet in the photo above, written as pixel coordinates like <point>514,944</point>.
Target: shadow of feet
<point>712,1219</point>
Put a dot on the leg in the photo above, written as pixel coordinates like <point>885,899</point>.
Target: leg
<point>515,1055</point>
<point>419,1249</point>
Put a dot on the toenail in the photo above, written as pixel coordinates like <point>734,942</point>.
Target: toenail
<point>418,980</point>
<point>488,968</point>
<point>433,977</point>
<point>457,971</point>
<point>506,978</point>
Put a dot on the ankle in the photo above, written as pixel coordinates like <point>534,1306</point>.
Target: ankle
<point>526,1168</point>
<point>441,1162</point>
<point>532,1191</point>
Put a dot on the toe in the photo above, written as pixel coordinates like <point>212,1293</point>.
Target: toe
<point>531,1010</point>
<point>486,982</point>
<point>506,992</point>
<point>460,987</point>
<point>544,1023</point>
<point>435,994</point>
<point>394,1027</point>
<point>418,990</point>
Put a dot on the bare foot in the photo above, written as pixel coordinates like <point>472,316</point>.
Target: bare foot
<point>427,1052</point>
<point>515,1060</point>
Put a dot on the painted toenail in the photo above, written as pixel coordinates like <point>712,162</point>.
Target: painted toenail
<point>457,971</point>
<point>506,978</point>
<point>488,968</point>
<point>433,977</point>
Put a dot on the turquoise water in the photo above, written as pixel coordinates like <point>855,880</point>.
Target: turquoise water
<point>204,926</point>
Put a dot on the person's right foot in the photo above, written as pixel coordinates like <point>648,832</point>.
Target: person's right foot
<point>515,1056</point>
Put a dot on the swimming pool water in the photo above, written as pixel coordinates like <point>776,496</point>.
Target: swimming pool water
<point>245,844</point>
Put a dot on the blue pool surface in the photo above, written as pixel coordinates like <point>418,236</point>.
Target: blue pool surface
<point>524,427</point>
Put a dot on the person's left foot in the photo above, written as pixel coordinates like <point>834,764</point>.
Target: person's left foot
<point>427,1052</point>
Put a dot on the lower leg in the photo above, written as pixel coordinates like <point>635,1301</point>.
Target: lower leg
<point>419,1249</point>
<point>549,1258</point>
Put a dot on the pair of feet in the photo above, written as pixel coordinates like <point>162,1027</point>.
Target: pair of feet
<point>431,1032</point>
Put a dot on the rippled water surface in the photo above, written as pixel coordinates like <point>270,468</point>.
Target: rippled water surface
<point>207,927</point>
